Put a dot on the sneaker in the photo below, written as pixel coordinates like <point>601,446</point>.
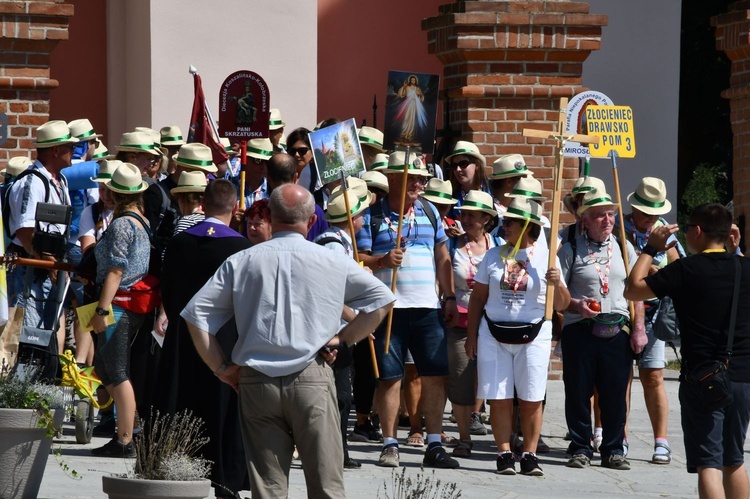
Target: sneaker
<point>475,425</point>
<point>115,448</point>
<point>506,464</point>
<point>616,462</point>
<point>389,457</point>
<point>365,433</point>
<point>578,461</point>
<point>437,457</point>
<point>530,465</point>
<point>596,442</point>
<point>106,426</point>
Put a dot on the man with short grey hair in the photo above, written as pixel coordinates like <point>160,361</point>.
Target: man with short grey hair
<point>278,365</point>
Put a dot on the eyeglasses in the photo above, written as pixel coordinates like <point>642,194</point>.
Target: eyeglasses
<point>300,150</point>
<point>417,178</point>
<point>462,164</point>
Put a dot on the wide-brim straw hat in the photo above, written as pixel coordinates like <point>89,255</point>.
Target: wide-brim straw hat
<point>101,153</point>
<point>369,136</point>
<point>275,122</point>
<point>527,187</point>
<point>467,149</point>
<point>439,192</point>
<point>137,142</point>
<point>336,207</point>
<point>478,201</point>
<point>650,197</point>
<point>228,147</point>
<point>588,184</point>
<point>525,209</point>
<point>354,184</point>
<point>106,170</point>
<point>380,162</point>
<point>260,149</point>
<point>83,130</point>
<point>376,180</point>
<point>171,136</point>
<point>53,133</point>
<point>194,181</point>
<point>17,165</point>
<point>597,197</point>
<point>127,180</point>
<point>396,165</point>
<point>282,142</point>
<point>509,165</point>
<point>195,156</point>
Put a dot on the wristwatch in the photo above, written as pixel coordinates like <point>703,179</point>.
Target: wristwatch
<point>101,311</point>
<point>650,251</point>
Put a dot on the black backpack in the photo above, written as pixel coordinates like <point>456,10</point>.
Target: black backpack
<point>6,196</point>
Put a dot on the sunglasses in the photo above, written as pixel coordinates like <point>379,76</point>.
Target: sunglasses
<point>300,150</point>
<point>507,222</point>
<point>462,164</point>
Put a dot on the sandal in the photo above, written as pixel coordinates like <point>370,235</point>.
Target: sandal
<point>463,449</point>
<point>415,439</point>
<point>661,457</point>
<point>448,441</point>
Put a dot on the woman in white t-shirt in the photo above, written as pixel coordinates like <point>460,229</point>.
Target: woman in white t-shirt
<point>510,286</point>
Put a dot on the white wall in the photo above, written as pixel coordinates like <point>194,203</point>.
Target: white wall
<point>639,66</point>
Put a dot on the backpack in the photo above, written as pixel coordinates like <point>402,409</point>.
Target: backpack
<point>377,217</point>
<point>163,233</point>
<point>6,196</point>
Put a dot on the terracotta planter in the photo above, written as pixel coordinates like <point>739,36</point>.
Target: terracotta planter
<point>130,488</point>
<point>24,450</point>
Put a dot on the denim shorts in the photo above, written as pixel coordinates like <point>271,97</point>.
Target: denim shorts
<point>653,352</point>
<point>420,331</point>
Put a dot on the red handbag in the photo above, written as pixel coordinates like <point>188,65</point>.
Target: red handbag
<point>143,297</point>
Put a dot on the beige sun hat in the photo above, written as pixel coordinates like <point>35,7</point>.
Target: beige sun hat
<point>106,169</point>
<point>588,184</point>
<point>525,209</point>
<point>275,122</point>
<point>376,179</point>
<point>597,197</point>
<point>396,165</point>
<point>83,130</point>
<point>509,165</point>
<point>467,149</point>
<point>478,201</point>
<point>171,136</point>
<point>439,192</point>
<point>356,185</point>
<point>137,142</point>
<point>336,208</point>
<point>282,142</point>
<point>527,187</point>
<point>101,153</point>
<point>194,181</point>
<point>260,149</point>
<point>53,133</point>
<point>195,156</point>
<point>369,136</point>
<point>650,197</point>
<point>126,179</point>
<point>380,162</point>
<point>17,165</point>
<point>228,147</point>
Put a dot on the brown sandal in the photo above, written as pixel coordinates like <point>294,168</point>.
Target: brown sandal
<point>463,449</point>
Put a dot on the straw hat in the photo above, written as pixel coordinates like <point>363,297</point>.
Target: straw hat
<point>467,149</point>
<point>478,201</point>
<point>101,152</point>
<point>228,147</point>
<point>190,182</point>
<point>336,208</point>
<point>137,142</point>
<point>650,197</point>
<point>260,149</point>
<point>369,136</point>
<point>17,165</point>
<point>195,156</point>
<point>106,169</point>
<point>275,122</point>
<point>527,187</point>
<point>588,184</point>
<point>155,136</point>
<point>523,208</point>
<point>597,197</point>
<point>171,136</point>
<point>126,179</point>
<point>83,130</point>
<point>380,162</point>
<point>356,185</point>
<point>376,179</point>
<point>282,142</point>
<point>439,191</point>
<point>53,133</point>
<point>396,165</point>
<point>509,165</point>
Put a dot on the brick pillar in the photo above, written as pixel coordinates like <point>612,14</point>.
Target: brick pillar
<point>733,38</point>
<point>29,31</point>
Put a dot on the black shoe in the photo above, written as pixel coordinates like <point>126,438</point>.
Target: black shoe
<point>506,464</point>
<point>115,448</point>
<point>530,465</point>
<point>106,426</point>
<point>351,464</point>
<point>365,433</point>
<point>437,457</point>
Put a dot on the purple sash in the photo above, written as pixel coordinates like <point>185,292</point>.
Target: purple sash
<point>211,229</point>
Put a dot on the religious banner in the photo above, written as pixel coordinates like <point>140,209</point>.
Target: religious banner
<point>244,110</point>
<point>575,120</point>
<point>411,110</point>
<point>336,148</point>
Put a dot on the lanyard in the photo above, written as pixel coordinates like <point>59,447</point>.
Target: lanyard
<point>411,218</point>
<point>509,260</point>
<point>603,277</point>
<point>472,263</point>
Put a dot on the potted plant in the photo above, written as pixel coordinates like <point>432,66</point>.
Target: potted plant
<point>30,413</point>
<point>166,464</point>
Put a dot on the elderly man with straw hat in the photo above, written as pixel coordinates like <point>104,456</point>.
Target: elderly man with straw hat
<point>598,339</point>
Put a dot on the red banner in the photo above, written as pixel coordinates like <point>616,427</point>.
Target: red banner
<point>200,126</point>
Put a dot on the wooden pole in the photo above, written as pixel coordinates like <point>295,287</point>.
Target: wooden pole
<point>243,162</point>
<point>625,259</point>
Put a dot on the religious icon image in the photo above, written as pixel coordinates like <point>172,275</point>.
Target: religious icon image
<point>246,111</point>
<point>337,148</point>
<point>518,279</point>
<point>411,110</point>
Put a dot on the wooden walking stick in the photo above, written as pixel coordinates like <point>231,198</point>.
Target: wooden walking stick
<point>613,156</point>
<point>243,163</point>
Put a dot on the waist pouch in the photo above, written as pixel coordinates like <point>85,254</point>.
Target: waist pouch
<point>514,333</point>
<point>143,297</point>
<point>609,326</point>
<point>709,382</point>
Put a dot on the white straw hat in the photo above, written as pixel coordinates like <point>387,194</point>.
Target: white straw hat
<point>106,169</point>
<point>83,130</point>
<point>137,142</point>
<point>101,153</point>
<point>127,180</point>
<point>509,165</point>
<point>260,148</point>
<point>336,208</point>
<point>194,181</point>
<point>53,133</point>
<point>439,192</point>
<point>380,162</point>
<point>228,147</point>
<point>356,185</point>
<point>369,136</point>
<point>588,184</point>
<point>478,201</point>
<point>275,122</point>
<point>467,149</point>
<point>195,156</point>
<point>597,197</point>
<point>525,209</point>
<point>527,187</point>
<point>376,179</point>
<point>396,165</point>
<point>171,136</point>
<point>650,197</point>
<point>17,165</point>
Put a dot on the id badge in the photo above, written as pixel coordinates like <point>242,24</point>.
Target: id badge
<point>406,262</point>
<point>606,306</point>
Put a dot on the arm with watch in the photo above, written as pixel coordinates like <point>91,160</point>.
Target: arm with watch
<point>109,288</point>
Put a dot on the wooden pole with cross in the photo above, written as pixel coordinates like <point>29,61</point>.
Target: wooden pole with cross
<point>561,137</point>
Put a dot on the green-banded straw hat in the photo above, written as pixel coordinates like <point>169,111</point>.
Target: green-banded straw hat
<point>586,184</point>
<point>171,136</point>
<point>195,156</point>
<point>525,209</point>
<point>275,122</point>
<point>260,149</point>
<point>527,187</point>
<point>228,147</point>
<point>478,201</point>
<point>126,179</point>
<point>155,136</point>
<point>396,165</point>
<point>376,179</point>
<point>597,197</point>
<point>509,165</point>
<point>194,181</point>
<point>53,133</point>
<point>282,142</point>
<point>17,165</point>
<point>439,192</point>
<point>106,169</point>
<point>101,153</point>
<point>372,137</point>
<point>650,197</point>
<point>336,208</point>
<point>137,142</point>
<point>380,162</point>
<point>355,185</point>
<point>467,149</point>
<point>83,130</point>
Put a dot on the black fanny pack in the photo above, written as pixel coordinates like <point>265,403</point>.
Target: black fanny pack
<point>514,333</point>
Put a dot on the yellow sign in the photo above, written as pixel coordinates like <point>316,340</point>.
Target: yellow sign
<point>614,126</point>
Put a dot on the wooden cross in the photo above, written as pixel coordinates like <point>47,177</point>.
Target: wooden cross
<point>561,137</point>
